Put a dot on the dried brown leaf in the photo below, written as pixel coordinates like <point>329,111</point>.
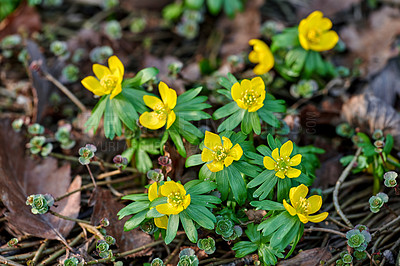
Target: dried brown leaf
<point>328,7</point>
<point>106,206</point>
<point>20,177</point>
<point>369,113</point>
<point>310,257</point>
<point>372,42</point>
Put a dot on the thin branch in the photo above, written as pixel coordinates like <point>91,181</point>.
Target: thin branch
<point>326,230</point>
<point>386,226</point>
<point>68,218</point>
<point>341,179</point>
<point>6,261</point>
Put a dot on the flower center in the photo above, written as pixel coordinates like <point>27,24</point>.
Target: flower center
<point>175,199</point>
<point>282,164</point>
<point>302,206</point>
<point>249,97</point>
<point>220,154</point>
<point>109,82</point>
<point>314,35</point>
<point>162,111</point>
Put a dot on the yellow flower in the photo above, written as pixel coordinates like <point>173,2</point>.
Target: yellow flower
<point>218,154</point>
<point>249,94</point>
<point>262,56</point>
<point>177,200</point>
<point>304,207</point>
<point>315,33</point>
<point>282,162</point>
<point>108,79</point>
<point>160,222</point>
<point>163,110</point>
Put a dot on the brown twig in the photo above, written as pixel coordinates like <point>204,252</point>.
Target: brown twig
<point>341,179</point>
<point>68,218</point>
<point>104,175</point>
<point>386,226</point>
<point>168,259</point>
<point>326,230</point>
<point>39,252</point>
<point>91,176</point>
<point>6,261</point>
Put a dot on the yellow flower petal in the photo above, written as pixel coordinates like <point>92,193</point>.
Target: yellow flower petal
<point>227,144</point>
<point>169,187</point>
<point>299,192</point>
<point>92,84</point>
<point>236,152</point>
<point>100,71</point>
<point>168,209</point>
<point>318,218</point>
<point>275,154</point>
<point>236,91</point>
<point>212,141</point>
<point>315,203</point>
<point>245,84</point>
<point>168,95</point>
<point>116,91</point>
<point>181,188</point>
<point>258,85</point>
<point>328,41</point>
<point>228,161</point>
<point>253,57</point>
<point>161,222</point>
<point>215,166</point>
<point>286,149</point>
<point>151,120</point>
<point>207,155</point>
<point>153,194</point>
<point>293,172</point>
<point>295,160</point>
<point>262,55</point>
<point>289,208</point>
<point>269,163</point>
<point>280,174</point>
<point>303,218</point>
<point>116,66</point>
<point>186,202</point>
<point>255,107</point>
<point>153,102</point>
<point>170,119</point>
<point>304,42</point>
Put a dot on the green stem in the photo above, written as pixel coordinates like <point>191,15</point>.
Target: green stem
<point>39,252</point>
<point>91,176</point>
<point>6,261</point>
<point>251,137</point>
<point>68,218</point>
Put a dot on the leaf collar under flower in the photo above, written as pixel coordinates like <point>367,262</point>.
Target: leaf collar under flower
<point>108,79</point>
<point>303,207</point>
<point>282,163</point>
<point>162,109</point>
<point>219,154</point>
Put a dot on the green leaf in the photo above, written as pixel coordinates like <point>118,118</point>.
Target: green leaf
<point>150,145</point>
<point>237,185</point>
<point>284,235</point>
<point>125,111</point>
<point>261,178</point>
<point>193,160</point>
<point>135,221</point>
<point>164,140</point>
<point>273,223</point>
<point>252,233</point>
<point>133,208</point>
<point>284,186</point>
<point>185,128</point>
<point>143,161</point>
<point>233,121</point>
<point>176,138</point>
<point>141,77</point>
<point>295,59</point>
<point>226,93</point>
<point>246,126</point>
<point>194,4</point>
<point>222,183</point>
<point>273,105</point>
<point>244,248</point>
<point>136,197</point>
<point>172,228</point>
<point>231,7</point>
<point>202,216</point>
<point>225,110</point>
<point>214,6</point>
<point>204,200</point>
<point>188,95</point>
<point>246,168</point>
<point>388,144</point>
<point>193,115</point>
<point>271,142</point>
<point>268,205</point>
<point>268,117</point>
<point>135,97</point>
<point>201,188</point>
<point>97,114</point>
<point>296,240</point>
<point>112,124</point>
<point>153,213</point>
<point>195,104</point>
<point>267,186</point>
<point>158,201</point>
<point>264,150</point>
<point>188,226</point>
<point>288,38</point>
<point>172,11</point>
<point>255,122</point>
<point>206,174</point>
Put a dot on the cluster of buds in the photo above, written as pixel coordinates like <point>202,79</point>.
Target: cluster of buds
<point>13,242</point>
<point>70,73</point>
<point>157,262</point>
<point>358,238</point>
<point>345,259</point>
<point>120,161</point>
<point>187,257</point>
<point>376,202</point>
<point>63,135</point>
<point>156,175</point>
<point>188,27</point>
<point>59,48</point>
<point>40,203</point>
<point>35,129</point>
<point>113,30</point>
<point>86,154</point>
<point>148,227</point>
<point>71,262</point>
<point>304,88</point>
<point>103,247</point>
<point>37,145</point>
<point>390,179</point>
<point>17,124</point>
<point>345,130</point>
<point>207,244</point>
<point>227,229</point>
<point>100,54</point>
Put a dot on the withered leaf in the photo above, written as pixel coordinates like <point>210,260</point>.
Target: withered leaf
<point>106,206</point>
<point>20,177</point>
<point>369,113</point>
<point>310,257</point>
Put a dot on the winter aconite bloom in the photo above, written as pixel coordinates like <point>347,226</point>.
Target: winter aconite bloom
<point>262,56</point>
<point>177,200</point>
<point>315,33</point>
<point>160,222</point>
<point>282,163</point>
<point>249,94</point>
<point>303,207</point>
<point>218,153</point>
<point>162,110</point>
<point>108,79</point>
